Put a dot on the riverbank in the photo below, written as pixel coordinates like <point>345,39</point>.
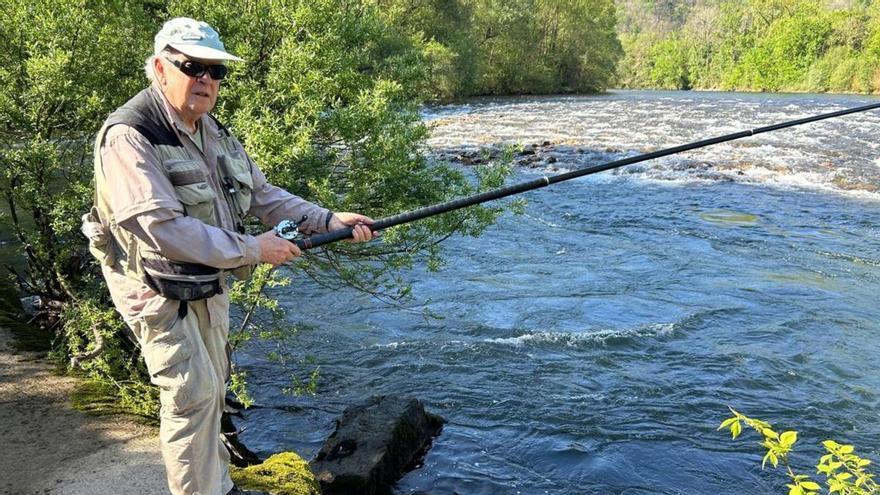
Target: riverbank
<point>51,448</point>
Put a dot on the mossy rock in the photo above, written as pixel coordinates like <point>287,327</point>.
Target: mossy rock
<point>282,474</point>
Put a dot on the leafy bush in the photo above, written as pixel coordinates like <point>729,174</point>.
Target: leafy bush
<point>327,103</point>
<point>66,65</point>
<point>669,70</point>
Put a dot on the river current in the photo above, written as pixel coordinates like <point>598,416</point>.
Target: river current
<point>594,344</point>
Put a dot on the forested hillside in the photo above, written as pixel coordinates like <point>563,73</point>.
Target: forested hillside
<point>511,46</point>
<point>768,45</point>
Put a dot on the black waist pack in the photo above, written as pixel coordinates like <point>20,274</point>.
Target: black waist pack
<point>182,281</point>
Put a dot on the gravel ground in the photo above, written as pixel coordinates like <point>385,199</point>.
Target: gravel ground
<point>51,448</point>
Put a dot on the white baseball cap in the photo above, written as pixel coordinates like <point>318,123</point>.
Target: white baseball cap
<point>193,38</point>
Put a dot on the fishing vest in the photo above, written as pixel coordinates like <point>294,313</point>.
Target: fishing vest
<point>113,245</point>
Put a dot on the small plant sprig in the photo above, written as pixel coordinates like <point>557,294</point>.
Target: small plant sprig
<point>844,470</point>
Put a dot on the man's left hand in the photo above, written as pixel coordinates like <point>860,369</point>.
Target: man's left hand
<point>361,231</point>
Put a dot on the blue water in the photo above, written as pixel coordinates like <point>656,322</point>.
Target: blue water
<point>594,344</point>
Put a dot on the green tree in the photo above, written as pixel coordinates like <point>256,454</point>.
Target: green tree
<point>66,65</point>
<point>542,46</point>
<point>670,65</point>
<point>768,45</point>
<point>327,103</point>
<point>783,54</point>
<point>515,46</point>
<point>451,51</point>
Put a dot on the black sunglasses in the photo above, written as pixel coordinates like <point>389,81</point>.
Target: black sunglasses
<point>198,69</point>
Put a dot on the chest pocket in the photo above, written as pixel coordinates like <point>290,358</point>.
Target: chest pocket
<point>237,180</point>
<point>192,189</point>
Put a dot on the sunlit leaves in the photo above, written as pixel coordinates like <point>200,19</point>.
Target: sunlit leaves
<point>515,46</point>
<point>772,45</point>
<point>66,64</point>
<point>843,469</point>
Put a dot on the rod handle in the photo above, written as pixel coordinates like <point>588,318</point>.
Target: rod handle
<point>321,239</point>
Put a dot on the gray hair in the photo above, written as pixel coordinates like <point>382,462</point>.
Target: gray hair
<point>148,65</point>
<point>148,69</point>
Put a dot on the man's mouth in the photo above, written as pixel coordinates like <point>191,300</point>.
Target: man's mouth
<point>201,93</point>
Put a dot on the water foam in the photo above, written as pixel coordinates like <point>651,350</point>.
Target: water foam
<point>830,156</point>
<point>570,339</point>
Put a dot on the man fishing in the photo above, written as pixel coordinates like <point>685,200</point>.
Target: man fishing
<point>173,187</point>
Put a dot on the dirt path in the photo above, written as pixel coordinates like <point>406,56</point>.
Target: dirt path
<point>50,448</point>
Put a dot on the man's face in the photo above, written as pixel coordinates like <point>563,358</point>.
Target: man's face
<point>191,96</point>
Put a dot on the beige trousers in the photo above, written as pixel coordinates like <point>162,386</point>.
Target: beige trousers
<point>187,360</point>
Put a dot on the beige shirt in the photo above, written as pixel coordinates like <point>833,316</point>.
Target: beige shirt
<point>142,200</point>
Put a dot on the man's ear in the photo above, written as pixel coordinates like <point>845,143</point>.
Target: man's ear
<point>159,69</point>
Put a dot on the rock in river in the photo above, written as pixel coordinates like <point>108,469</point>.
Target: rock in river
<point>374,444</point>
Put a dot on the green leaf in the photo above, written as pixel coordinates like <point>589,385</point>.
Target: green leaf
<point>847,449</point>
<point>795,490</point>
<point>788,438</point>
<point>726,423</point>
<point>736,429</point>
<point>809,485</point>
<point>830,444</point>
<point>767,432</point>
<point>863,462</point>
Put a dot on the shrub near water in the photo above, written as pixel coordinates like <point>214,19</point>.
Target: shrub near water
<point>66,64</point>
<point>326,102</point>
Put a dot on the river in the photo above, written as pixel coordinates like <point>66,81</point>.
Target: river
<point>594,344</point>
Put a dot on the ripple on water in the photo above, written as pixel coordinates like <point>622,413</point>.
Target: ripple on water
<point>560,340</point>
<point>728,217</point>
<point>594,345</point>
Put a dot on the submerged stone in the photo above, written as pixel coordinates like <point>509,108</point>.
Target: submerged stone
<point>374,444</point>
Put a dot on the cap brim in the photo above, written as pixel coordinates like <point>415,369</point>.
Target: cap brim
<point>204,52</point>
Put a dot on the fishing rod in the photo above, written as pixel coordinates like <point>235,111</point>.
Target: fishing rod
<point>288,229</point>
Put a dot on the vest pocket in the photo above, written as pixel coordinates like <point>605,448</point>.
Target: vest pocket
<point>237,168</point>
<point>192,189</point>
<point>240,170</point>
<point>198,201</point>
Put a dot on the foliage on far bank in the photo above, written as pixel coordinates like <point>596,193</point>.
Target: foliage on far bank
<point>482,47</point>
<point>844,471</point>
<point>764,45</point>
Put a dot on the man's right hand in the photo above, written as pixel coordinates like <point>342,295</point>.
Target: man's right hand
<point>275,250</point>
